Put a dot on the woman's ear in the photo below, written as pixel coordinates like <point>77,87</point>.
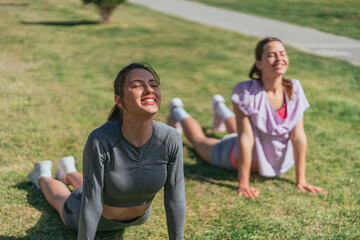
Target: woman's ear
<point>117,99</point>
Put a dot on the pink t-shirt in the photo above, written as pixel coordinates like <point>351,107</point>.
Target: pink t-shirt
<point>272,149</point>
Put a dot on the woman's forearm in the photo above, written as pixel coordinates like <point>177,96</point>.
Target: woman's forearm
<point>299,143</point>
<point>300,161</point>
<point>244,161</point>
<point>245,147</point>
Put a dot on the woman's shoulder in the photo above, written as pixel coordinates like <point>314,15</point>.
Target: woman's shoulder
<point>297,87</point>
<point>250,86</point>
<point>165,133</point>
<point>109,129</point>
<point>245,93</point>
<point>295,81</point>
<point>162,129</point>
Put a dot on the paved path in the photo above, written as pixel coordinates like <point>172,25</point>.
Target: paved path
<point>306,39</point>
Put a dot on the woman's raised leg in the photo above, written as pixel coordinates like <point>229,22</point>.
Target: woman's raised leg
<point>194,133</point>
<point>75,179</point>
<point>191,128</point>
<point>55,193</point>
<point>230,124</point>
<point>223,117</point>
<point>67,172</point>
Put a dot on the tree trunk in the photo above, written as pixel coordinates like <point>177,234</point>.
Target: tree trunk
<point>105,11</point>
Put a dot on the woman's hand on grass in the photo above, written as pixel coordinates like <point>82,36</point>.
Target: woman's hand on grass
<point>308,187</point>
<point>248,192</point>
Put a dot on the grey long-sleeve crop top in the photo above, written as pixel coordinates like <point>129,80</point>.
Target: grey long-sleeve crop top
<point>120,174</point>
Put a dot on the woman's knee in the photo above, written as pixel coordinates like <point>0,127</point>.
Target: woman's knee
<point>204,148</point>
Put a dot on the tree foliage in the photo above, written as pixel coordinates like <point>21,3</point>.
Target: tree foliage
<point>105,7</point>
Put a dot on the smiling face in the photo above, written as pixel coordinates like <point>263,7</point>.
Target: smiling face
<point>274,60</point>
<point>141,93</point>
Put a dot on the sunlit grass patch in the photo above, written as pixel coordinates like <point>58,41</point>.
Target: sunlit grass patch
<point>56,87</point>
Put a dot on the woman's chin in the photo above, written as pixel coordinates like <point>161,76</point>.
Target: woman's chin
<point>153,110</point>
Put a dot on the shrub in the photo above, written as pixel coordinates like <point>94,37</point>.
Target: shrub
<point>106,7</point>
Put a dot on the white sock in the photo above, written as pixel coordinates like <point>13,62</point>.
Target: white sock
<point>223,111</point>
<point>69,164</point>
<point>179,114</point>
<point>41,169</point>
<point>45,169</point>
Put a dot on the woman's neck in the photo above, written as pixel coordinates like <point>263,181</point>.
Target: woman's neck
<point>137,130</point>
<point>272,84</point>
<point>274,91</point>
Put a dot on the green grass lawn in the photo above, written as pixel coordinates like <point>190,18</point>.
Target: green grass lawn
<point>57,66</point>
<point>341,17</point>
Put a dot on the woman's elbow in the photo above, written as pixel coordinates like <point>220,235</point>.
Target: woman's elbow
<point>247,140</point>
<point>299,139</point>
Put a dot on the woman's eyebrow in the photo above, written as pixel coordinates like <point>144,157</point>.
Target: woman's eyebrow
<point>140,80</point>
<point>136,80</point>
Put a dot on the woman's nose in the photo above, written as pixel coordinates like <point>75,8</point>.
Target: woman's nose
<point>148,89</point>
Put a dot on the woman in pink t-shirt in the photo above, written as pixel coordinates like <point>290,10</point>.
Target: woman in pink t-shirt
<point>266,133</point>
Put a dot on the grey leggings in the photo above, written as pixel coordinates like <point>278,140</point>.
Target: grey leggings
<point>71,213</point>
<point>220,153</point>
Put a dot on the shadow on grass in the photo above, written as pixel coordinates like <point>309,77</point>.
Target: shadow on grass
<point>50,225</point>
<point>203,172</point>
<point>14,4</point>
<point>61,23</point>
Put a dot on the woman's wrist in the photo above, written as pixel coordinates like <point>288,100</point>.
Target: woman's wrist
<point>301,181</point>
<point>243,185</point>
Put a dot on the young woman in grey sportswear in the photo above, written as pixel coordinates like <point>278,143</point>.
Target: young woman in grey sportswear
<point>126,162</point>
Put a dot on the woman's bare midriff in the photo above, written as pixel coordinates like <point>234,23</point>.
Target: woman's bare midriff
<point>124,213</point>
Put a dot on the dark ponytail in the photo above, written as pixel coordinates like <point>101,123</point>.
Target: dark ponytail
<point>115,114</point>
<point>255,70</point>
